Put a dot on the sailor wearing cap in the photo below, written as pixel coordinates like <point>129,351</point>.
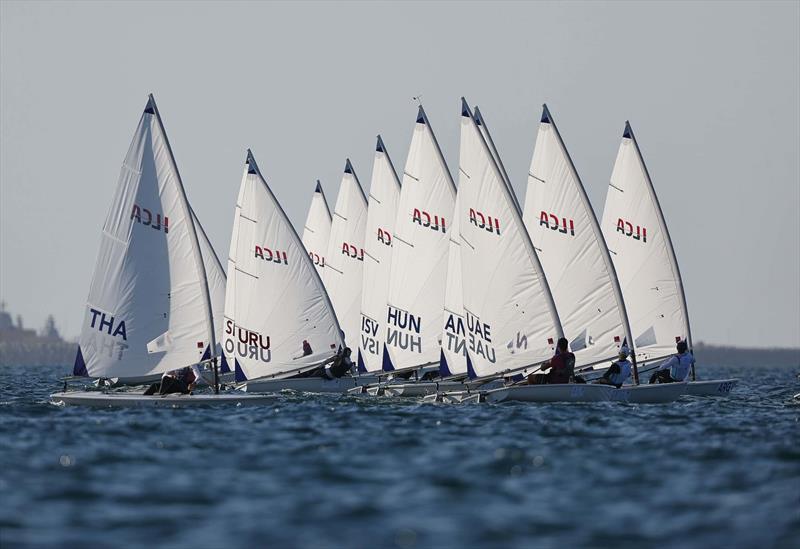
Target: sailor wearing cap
<point>676,368</point>
<point>620,370</point>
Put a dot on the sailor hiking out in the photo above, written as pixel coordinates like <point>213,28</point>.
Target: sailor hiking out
<point>675,369</point>
<point>619,371</point>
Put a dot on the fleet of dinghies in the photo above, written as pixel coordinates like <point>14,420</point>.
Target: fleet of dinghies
<point>454,293</point>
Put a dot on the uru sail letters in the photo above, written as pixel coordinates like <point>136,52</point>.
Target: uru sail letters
<point>551,221</point>
<point>246,343</point>
<point>145,217</point>
<point>403,330</point>
<point>427,220</point>
<point>627,228</point>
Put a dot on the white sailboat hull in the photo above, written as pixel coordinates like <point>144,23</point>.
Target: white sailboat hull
<point>713,387</point>
<point>634,394</point>
<point>98,399</point>
<point>309,384</point>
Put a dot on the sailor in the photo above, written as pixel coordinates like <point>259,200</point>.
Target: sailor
<point>341,365</point>
<point>561,366</point>
<point>182,380</point>
<point>676,368</point>
<point>620,370</point>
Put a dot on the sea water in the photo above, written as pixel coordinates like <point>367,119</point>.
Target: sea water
<point>360,471</point>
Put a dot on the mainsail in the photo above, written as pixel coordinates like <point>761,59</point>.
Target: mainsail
<point>278,318</point>
<point>568,240</point>
<point>511,319</point>
<point>453,359</point>
<point>149,307</point>
<point>317,230</point>
<point>344,270</point>
<point>384,194</point>
<point>419,255</point>
<point>640,246</point>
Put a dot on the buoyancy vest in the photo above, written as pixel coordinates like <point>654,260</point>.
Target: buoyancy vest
<point>679,370</point>
<point>618,378</point>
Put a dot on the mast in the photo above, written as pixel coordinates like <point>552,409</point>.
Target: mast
<point>548,118</point>
<point>201,268</point>
<point>517,214</point>
<point>663,225</point>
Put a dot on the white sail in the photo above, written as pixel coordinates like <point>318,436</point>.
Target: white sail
<point>511,320</point>
<point>278,318</point>
<point>215,275</point>
<point>453,359</point>
<point>419,255</point>
<point>573,253</point>
<point>148,309</point>
<point>317,230</point>
<point>384,194</point>
<point>640,246</point>
<point>344,268</point>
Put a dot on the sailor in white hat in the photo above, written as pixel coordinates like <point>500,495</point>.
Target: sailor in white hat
<point>619,371</point>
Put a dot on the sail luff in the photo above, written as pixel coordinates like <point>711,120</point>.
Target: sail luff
<point>488,135</point>
<point>201,268</point>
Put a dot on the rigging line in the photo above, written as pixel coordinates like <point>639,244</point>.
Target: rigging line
<point>614,186</point>
<point>411,176</point>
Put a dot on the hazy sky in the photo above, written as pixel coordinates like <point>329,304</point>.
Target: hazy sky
<point>712,91</point>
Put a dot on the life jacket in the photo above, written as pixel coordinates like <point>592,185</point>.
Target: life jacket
<point>618,378</point>
<point>679,371</point>
<point>563,367</point>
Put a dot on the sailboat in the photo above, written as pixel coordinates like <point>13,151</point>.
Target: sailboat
<point>644,258</point>
<point>493,186</point>
<point>279,320</point>
<point>415,303</point>
<point>384,194</point>
<point>317,230</point>
<point>344,271</point>
<point>149,308</point>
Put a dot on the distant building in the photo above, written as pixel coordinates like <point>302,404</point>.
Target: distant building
<point>21,347</point>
